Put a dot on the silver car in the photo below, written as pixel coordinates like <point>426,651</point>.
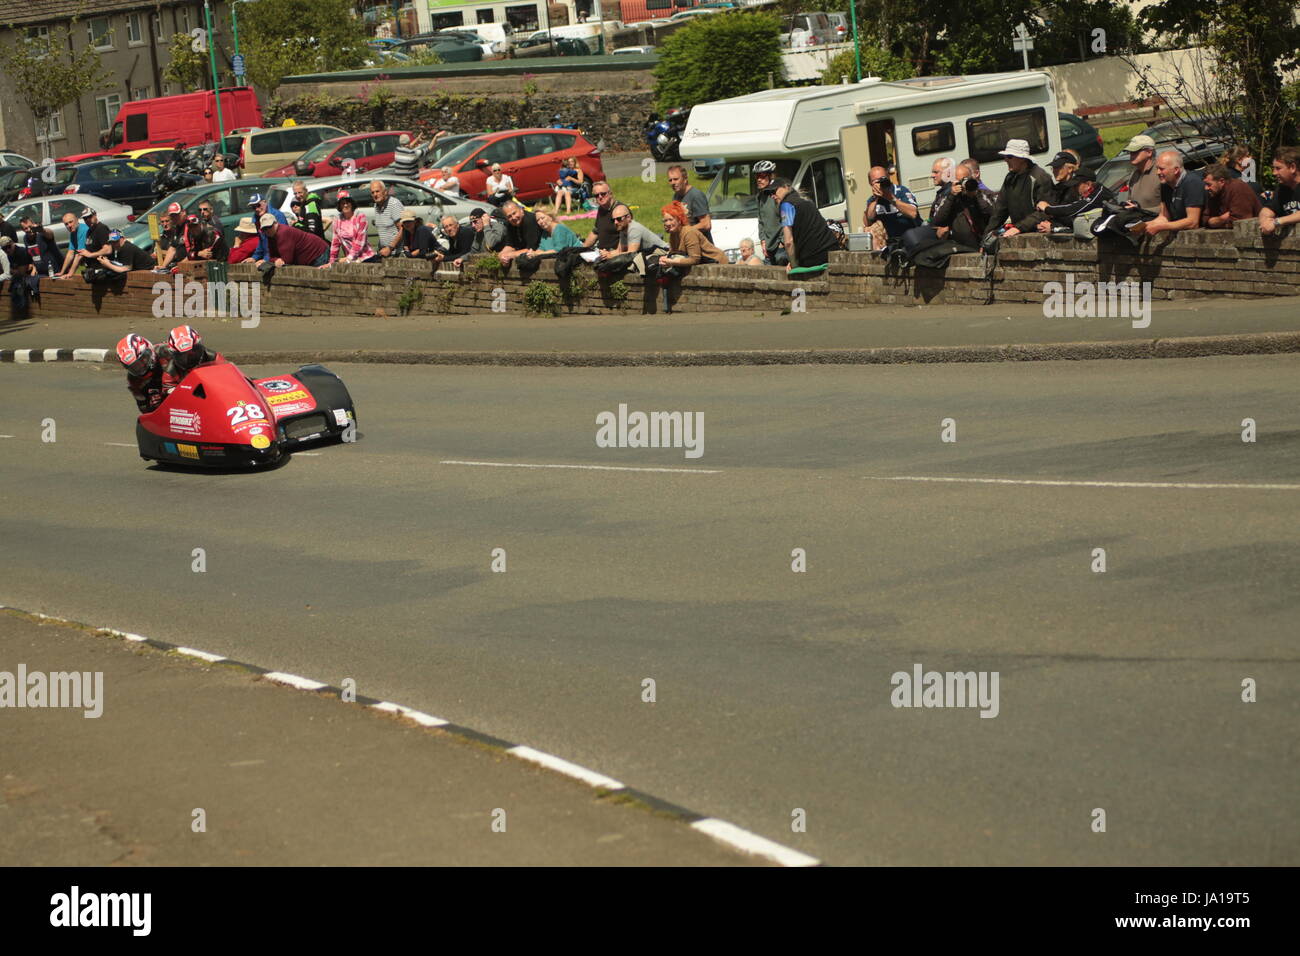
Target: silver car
<point>426,202</point>
<point>51,209</point>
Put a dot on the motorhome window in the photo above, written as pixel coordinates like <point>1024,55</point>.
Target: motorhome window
<point>523,18</point>
<point>827,182</point>
<point>986,135</point>
<point>446,21</point>
<point>137,127</point>
<point>933,139</point>
<point>485,16</point>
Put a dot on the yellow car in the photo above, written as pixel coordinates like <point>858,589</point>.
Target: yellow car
<point>158,155</point>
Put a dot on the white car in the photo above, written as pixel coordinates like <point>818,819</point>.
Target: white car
<point>804,30</point>
<point>49,210</point>
<point>15,159</point>
<point>632,49</point>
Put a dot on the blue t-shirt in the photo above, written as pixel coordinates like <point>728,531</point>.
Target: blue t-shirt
<point>263,251</point>
<point>562,237</point>
<point>78,240</point>
<point>891,218</point>
<point>787,215</point>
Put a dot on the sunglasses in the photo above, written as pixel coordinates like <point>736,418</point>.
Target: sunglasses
<point>621,218</point>
<point>599,195</point>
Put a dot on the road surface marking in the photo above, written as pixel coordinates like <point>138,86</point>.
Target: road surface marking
<point>510,464</point>
<point>1089,484</point>
<point>202,655</point>
<point>743,840</point>
<point>428,720</point>
<point>568,769</point>
<point>119,444</point>
<point>293,680</point>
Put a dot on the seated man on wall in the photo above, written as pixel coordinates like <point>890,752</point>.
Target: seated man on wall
<point>1227,200</point>
<point>1283,207</point>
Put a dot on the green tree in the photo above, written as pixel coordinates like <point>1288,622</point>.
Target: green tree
<point>876,61</point>
<point>715,57</point>
<point>1255,46</point>
<point>186,67</point>
<point>48,74</point>
<point>284,37</point>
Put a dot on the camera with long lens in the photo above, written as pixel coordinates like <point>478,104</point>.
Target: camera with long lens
<point>970,184</point>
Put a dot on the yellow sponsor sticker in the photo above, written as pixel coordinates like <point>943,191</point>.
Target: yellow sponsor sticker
<point>294,396</point>
<point>260,441</point>
<point>188,451</point>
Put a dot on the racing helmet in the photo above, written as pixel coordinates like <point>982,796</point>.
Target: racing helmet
<point>765,166</point>
<point>136,354</point>
<point>186,346</point>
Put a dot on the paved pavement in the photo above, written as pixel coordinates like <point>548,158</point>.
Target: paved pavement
<point>1118,690</point>
<point>884,327</point>
<point>280,777</point>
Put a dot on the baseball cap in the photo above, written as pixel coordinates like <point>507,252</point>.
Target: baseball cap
<point>779,182</point>
<point>114,236</point>
<point>90,211</point>
<point>1140,142</point>
<point>1061,159</point>
<point>254,199</point>
<point>1016,147</point>
<point>266,220</point>
<point>174,207</point>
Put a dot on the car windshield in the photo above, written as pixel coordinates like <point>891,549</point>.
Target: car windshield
<point>463,152</point>
<point>318,152</point>
<point>733,194</point>
<point>65,175</point>
<point>159,209</point>
<point>1113,174</point>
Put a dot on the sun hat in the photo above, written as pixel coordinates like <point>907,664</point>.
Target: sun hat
<point>1016,147</point>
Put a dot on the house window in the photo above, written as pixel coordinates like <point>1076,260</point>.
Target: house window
<point>38,33</point>
<point>140,93</point>
<point>100,33</point>
<point>106,108</point>
<point>156,19</point>
<point>55,130</point>
<point>134,30</point>
<point>186,25</point>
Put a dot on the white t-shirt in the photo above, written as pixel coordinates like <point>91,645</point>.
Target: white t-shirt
<point>449,185</point>
<point>223,175</point>
<point>500,184</point>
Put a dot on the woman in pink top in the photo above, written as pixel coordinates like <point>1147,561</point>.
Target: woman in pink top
<point>349,233</point>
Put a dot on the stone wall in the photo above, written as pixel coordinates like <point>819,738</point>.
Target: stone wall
<point>1236,263</point>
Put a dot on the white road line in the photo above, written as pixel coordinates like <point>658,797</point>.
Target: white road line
<point>51,355</point>
<point>6,436</point>
<point>293,680</point>
<point>89,355</point>
<point>120,444</point>
<point>747,842</point>
<point>552,762</point>
<point>306,454</point>
<point>428,720</point>
<point>509,464</point>
<point>1199,485</point>
<point>203,655</point>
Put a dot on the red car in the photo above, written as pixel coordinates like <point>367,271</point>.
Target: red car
<point>531,157</point>
<point>82,157</point>
<point>367,150</point>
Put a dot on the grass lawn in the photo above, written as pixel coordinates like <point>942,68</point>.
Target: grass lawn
<point>1115,138</point>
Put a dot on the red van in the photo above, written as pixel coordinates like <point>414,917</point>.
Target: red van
<point>188,119</point>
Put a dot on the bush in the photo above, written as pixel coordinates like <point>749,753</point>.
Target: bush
<point>541,298</point>
<point>718,56</point>
<point>875,62</point>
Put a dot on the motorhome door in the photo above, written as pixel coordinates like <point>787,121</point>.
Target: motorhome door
<point>862,146</point>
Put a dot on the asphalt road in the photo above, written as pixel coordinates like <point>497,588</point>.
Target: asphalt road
<point>1118,690</point>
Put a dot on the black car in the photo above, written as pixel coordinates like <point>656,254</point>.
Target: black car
<point>450,49</point>
<point>1197,154</point>
<point>1082,137</point>
<point>126,181</point>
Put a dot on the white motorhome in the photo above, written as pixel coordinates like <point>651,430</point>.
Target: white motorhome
<point>826,138</point>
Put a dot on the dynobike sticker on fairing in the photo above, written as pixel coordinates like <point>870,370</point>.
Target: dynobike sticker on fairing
<point>182,421</point>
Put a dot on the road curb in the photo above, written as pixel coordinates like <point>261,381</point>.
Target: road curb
<point>717,829</point>
<point>1261,343</point>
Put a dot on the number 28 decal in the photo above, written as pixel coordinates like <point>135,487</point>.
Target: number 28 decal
<point>244,413</point>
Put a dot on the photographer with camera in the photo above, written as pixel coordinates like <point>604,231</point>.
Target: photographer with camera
<point>894,207</point>
<point>963,213</point>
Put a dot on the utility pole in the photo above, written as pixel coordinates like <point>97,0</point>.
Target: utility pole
<point>212,59</point>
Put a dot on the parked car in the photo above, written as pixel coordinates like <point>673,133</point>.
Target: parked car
<point>554,45</point>
<point>158,155</point>
<point>50,210</point>
<point>367,150</point>
<point>229,204</point>
<point>433,158</point>
<point>1193,128</point>
<point>633,50</point>
<point>1080,136</point>
<point>33,182</point>
<point>451,49</point>
<point>840,24</point>
<point>427,203</point>
<point>531,157</point>
<point>14,159</point>
<point>265,149</point>
<point>499,36</point>
<point>490,48</point>
<point>1197,154</point>
<point>12,180</point>
<point>84,157</point>
<point>803,30</point>
<point>125,181</point>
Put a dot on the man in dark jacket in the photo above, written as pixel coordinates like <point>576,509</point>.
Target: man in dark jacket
<point>963,213</point>
<point>808,240</point>
<point>41,246</point>
<point>522,234</point>
<point>1026,184</point>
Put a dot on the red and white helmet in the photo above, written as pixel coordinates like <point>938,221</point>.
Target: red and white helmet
<point>186,346</point>
<point>136,354</point>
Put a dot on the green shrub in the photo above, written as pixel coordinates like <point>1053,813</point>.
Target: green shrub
<point>541,298</point>
<point>875,62</point>
<point>715,57</point>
